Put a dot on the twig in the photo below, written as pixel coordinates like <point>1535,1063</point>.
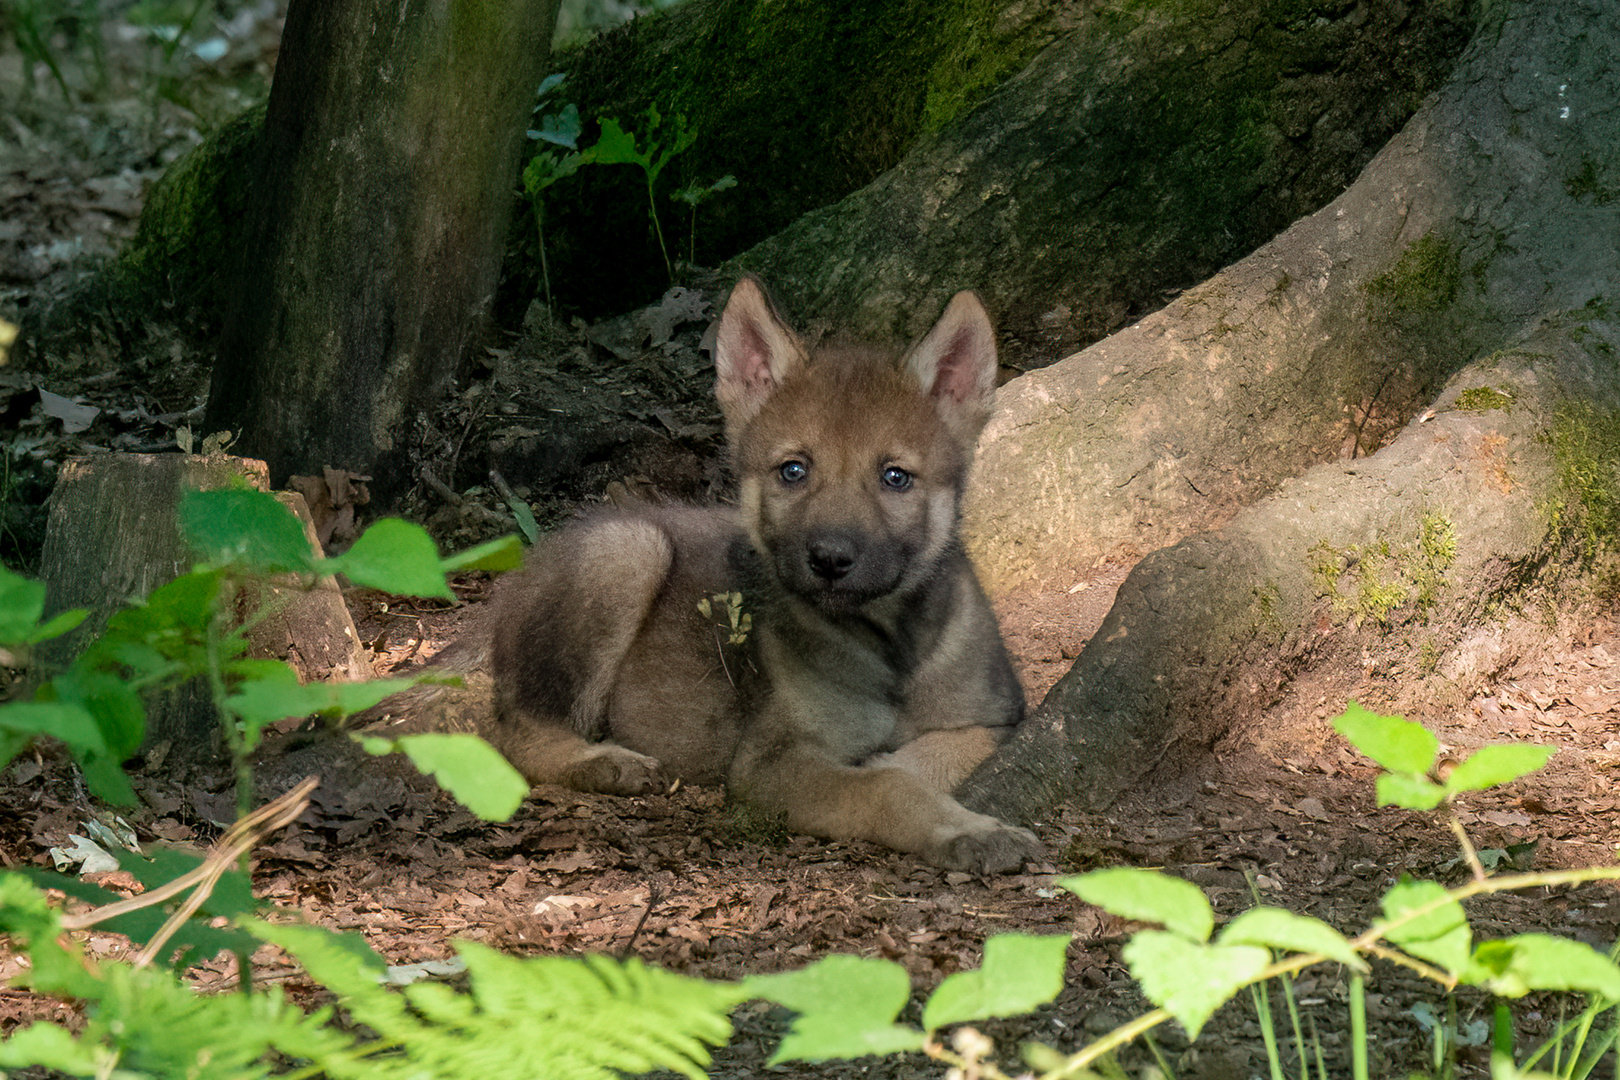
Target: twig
<point>655,896</point>
<point>241,838</point>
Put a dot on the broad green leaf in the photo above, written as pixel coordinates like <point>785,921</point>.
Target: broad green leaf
<point>1492,765</point>
<point>1020,973</point>
<point>1410,790</point>
<point>1146,896</point>
<point>1396,744</point>
<point>113,704</point>
<point>245,528</point>
<point>847,1007</point>
<point>1276,928</point>
<point>22,602</point>
<point>52,1047</point>
<point>64,720</point>
<point>496,556</point>
<point>464,765</point>
<point>394,556</point>
<point>1512,967</point>
<point>105,776</point>
<point>1191,979</point>
<point>1441,936</point>
<point>615,146</point>
<point>169,626</point>
<point>58,625</point>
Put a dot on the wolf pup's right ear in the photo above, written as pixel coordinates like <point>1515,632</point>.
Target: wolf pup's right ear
<point>955,364</point>
<point>753,352</point>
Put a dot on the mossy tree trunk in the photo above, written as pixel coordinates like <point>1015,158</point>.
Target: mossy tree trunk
<point>381,190</point>
<point>1482,244</point>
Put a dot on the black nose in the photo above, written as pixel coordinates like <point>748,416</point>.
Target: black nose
<point>832,555</point>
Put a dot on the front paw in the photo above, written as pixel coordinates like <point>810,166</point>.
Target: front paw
<point>613,770</point>
<point>989,847</point>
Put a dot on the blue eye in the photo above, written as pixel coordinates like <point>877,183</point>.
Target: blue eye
<point>896,479</point>
<point>793,472</point>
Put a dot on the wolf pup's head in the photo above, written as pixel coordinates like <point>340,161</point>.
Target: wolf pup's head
<point>852,458</point>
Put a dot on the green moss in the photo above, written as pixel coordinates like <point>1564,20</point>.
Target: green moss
<point>1372,583</point>
<point>1484,399</point>
<point>1586,445</point>
<point>1424,278</point>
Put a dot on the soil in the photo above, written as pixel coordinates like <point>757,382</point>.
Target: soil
<point>1284,813</point>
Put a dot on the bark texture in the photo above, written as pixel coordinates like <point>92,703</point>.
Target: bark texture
<point>382,189</point>
<point>1492,216</point>
<point>1146,149</point>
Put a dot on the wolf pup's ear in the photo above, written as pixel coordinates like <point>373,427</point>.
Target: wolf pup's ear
<point>753,352</point>
<point>955,363</point>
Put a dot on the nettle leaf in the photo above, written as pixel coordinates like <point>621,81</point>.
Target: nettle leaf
<point>1146,896</point>
<point>1408,790</point>
<point>22,602</point>
<point>1492,765</point>
<point>466,766</point>
<point>1190,979</point>
<point>1276,928</point>
<point>1441,936</point>
<point>394,556</point>
<point>1020,973</point>
<point>269,690</point>
<point>58,625</point>
<point>245,528</point>
<point>496,556</point>
<point>1512,967</point>
<point>847,1006</point>
<point>1395,743</point>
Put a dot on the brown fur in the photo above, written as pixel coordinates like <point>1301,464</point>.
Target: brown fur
<point>872,679</point>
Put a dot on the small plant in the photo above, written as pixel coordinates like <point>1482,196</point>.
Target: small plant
<point>558,128</point>
<point>665,139</point>
<point>695,195</point>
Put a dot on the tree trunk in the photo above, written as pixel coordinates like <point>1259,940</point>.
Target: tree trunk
<point>112,536</point>
<point>1143,151</point>
<point>381,195</point>
<point>1393,579</point>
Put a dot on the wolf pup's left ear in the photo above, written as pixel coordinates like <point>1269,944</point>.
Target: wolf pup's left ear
<point>955,363</point>
<point>753,352</point>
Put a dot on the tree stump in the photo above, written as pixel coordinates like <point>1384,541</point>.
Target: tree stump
<point>112,537</point>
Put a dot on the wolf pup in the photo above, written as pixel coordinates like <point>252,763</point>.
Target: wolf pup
<point>824,647</point>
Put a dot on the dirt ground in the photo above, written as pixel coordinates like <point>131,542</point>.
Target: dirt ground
<point>680,880</point>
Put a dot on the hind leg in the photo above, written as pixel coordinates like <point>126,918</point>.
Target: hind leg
<point>548,752</point>
<point>561,633</point>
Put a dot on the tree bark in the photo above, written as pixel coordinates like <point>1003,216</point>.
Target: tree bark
<point>1146,149</point>
<point>382,190</point>
<point>1392,578</point>
<point>113,536</point>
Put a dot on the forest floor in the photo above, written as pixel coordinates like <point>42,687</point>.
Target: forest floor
<point>1284,814</point>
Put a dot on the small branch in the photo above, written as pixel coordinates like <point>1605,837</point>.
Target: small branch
<point>1467,846</point>
<point>241,838</point>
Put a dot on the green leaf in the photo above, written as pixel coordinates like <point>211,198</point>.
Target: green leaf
<point>59,624</point>
<point>269,690</point>
<point>464,765</point>
<point>1440,936</point>
<point>1396,744</point>
<point>1190,979</point>
<point>22,602</point>
<point>1276,928</point>
<point>847,1007</point>
<point>113,704</point>
<point>244,528</point>
<point>394,556</point>
<point>1410,790</point>
<point>1492,765</point>
<point>1146,896</point>
<point>1512,967</point>
<point>52,1047</point>
<point>615,146</point>
<point>1019,974</point>
<point>496,556</point>
<point>67,721</point>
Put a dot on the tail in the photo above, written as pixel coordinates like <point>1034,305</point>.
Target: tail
<point>442,707</point>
